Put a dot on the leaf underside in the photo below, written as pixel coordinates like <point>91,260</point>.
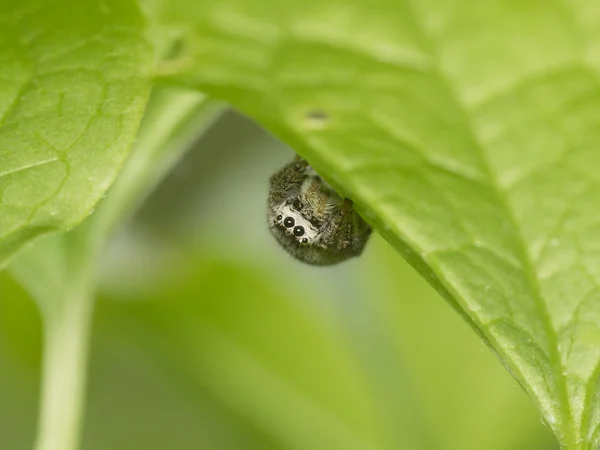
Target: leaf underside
<point>465,131</point>
<point>73,86</point>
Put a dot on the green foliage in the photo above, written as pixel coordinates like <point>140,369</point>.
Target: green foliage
<point>465,131</point>
<point>59,270</point>
<point>74,86</point>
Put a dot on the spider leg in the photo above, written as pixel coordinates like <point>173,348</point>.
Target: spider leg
<point>300,163</point>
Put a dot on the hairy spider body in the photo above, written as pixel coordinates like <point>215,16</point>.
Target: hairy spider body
<point>310,220</point>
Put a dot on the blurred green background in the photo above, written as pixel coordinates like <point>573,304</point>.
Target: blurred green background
<point>208,336</point>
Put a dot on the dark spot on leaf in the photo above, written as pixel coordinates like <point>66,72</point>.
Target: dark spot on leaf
<point>175,49</point>
<point>317,115</point>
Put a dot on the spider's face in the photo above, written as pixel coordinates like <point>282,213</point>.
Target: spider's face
<point>289,219</point>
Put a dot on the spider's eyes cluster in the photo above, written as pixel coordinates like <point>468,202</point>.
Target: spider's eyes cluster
<point>289,222</point>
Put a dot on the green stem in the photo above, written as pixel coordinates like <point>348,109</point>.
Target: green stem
<point>66,342</point>
<point>66,348</point>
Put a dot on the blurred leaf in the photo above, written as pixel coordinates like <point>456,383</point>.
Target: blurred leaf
<point>133,405</point>
<point>160,379</point>
<point>465,131</point>
<point>19,363</point>
<point>270,358</point>
<point>71,98</point>
<point>19,321</point>
<point>251,339</point>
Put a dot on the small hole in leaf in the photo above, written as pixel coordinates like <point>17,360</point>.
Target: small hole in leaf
<point>316,118</point>
<point>175,49</point>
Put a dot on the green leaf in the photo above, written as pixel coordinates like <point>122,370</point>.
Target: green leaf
<point>73,86</point>
<point>466,132</point>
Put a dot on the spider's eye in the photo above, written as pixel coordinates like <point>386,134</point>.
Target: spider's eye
<point>304,241</point>
<point>298,231</point>
<point>289,222</point>
<point>279,217</point>
<point>297,204</point>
